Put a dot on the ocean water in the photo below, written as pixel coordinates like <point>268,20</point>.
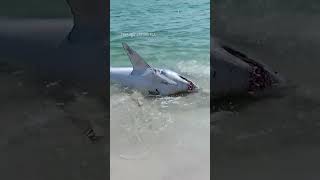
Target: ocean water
<point>161,138</point>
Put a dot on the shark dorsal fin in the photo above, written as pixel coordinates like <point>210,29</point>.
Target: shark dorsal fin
<point>139,65</point>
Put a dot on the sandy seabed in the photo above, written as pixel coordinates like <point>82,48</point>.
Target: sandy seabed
<point>39,140</point>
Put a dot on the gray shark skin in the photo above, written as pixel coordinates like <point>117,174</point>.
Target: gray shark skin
<point>235,74</point>
<point>148,80</point>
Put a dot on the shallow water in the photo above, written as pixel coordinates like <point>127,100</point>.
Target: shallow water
<point>168,137</point>
<point>39,138</point>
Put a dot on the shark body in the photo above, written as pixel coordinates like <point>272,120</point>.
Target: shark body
<point>141,76</point>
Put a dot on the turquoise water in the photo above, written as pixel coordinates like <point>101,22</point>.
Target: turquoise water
<point>168,34</point>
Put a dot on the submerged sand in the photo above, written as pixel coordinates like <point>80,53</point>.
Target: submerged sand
<point>38,138</point>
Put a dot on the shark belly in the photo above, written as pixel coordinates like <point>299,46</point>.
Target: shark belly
<point>120,75</point>
<point>123,76</point>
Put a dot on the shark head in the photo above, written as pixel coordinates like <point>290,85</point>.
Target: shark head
<point>168,82</point>
<point>234,73</point>
<point>157,81</point>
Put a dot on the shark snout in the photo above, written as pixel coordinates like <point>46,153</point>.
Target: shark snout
<point>191,87</point>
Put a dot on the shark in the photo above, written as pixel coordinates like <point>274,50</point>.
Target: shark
<point>149,80</point>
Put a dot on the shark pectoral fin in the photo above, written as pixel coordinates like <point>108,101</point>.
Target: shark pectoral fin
<point>154,93</point>
<point>139,65</point>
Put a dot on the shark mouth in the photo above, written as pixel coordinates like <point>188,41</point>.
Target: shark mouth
<point>260,76</point>
<point>191,86</point>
